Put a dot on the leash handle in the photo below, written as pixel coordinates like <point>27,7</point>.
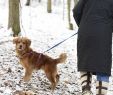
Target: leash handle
<point>60,42</point>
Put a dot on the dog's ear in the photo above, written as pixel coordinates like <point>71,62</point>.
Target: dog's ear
<point>15,40</point>
<point>28,42</point>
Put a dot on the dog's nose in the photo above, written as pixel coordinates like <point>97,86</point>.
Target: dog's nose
<point>20,47</point>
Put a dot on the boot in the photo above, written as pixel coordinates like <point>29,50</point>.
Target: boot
<point>86,83</point>
<point>101,88</point>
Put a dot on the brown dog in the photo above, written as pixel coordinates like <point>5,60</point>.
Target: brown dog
<point>32,60</point>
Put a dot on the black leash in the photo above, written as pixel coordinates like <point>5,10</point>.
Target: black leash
<point>60,43</point>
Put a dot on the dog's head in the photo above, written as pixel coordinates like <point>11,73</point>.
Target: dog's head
<point>22,43</point>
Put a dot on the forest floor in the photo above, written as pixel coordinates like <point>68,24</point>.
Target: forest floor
<point>11,72</point>
<point>45,30</point>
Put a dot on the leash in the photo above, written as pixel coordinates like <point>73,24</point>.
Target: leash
<point>60,42</point>
<point>55,46</point>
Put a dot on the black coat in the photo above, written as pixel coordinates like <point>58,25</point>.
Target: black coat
<point>94,46</point>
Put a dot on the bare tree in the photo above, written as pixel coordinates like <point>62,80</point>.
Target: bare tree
<point>14,20</point>
<point>49,6</point>
<point>69,15</point>
<point>28,2</point>
<point>10,14</point>
<point>39,1</point>
<point>76,1</point>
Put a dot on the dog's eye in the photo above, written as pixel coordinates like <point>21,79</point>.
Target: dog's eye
<point>23,42</point>
<point>18,42</point>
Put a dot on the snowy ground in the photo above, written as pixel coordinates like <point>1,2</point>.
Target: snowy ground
<point>45,30</point>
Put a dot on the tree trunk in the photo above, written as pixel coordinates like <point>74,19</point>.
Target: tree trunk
<point>63,9</point>
<point>76,1</point>
<point>69,16</point>
<point>39,1</point>
<point>10,15</point>
<point>49,6</point>
<point>14,20</point>
<point>28,2</point>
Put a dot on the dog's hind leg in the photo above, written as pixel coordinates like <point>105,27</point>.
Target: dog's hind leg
<point>52,79</point>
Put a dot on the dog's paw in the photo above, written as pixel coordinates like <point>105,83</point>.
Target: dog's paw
<point>26,79</point>
<point>53,87</point>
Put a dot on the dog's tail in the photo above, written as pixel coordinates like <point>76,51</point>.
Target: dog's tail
<point>61,58</point>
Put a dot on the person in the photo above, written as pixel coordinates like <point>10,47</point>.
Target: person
<point>94,44</point>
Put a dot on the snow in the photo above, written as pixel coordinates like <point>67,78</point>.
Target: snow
<point>45,30</point>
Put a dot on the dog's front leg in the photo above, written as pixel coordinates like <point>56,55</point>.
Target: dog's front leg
<point>28,73</point>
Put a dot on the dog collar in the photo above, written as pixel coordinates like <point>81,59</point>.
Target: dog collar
<point>25,54</point>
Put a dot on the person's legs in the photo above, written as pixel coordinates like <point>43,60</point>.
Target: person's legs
<point>102,84</point>
<point>86,78</point>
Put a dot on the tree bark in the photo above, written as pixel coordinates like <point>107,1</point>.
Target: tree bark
<point>39,1</point>
<point>69,16</point>
<point>49,6</point>
<point>14,19</point>
<point>76,1</point>
<point>10,14</point>
<point>28,2</point>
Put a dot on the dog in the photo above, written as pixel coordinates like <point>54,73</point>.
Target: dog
<point>32,60</point>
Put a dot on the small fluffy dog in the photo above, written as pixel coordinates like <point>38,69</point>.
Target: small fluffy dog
<point>32,60</point>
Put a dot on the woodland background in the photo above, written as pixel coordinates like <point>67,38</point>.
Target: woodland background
<point>46,23</point>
